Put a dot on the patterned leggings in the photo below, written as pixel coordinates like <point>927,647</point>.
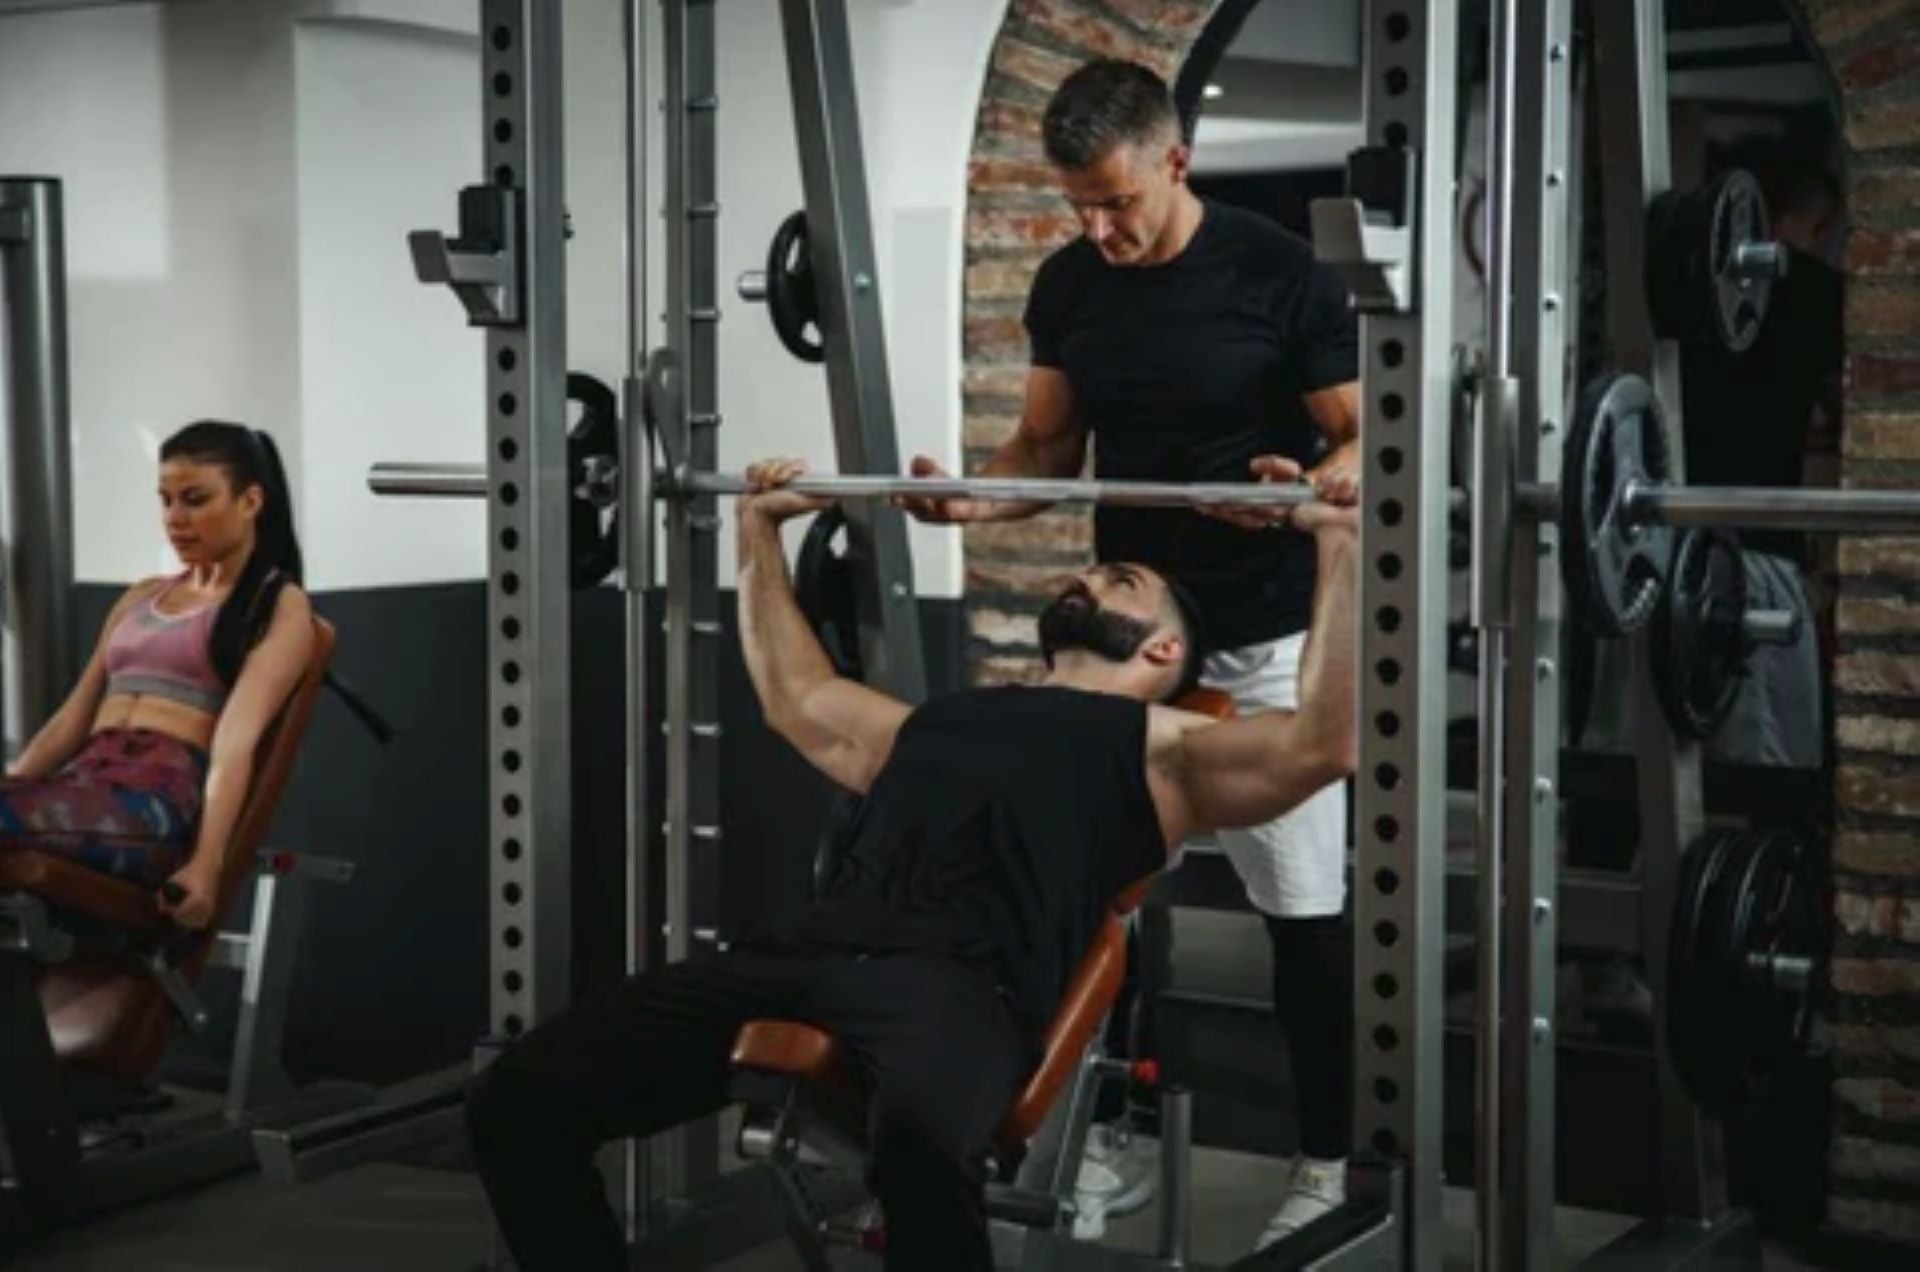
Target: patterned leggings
<point>126,805</point>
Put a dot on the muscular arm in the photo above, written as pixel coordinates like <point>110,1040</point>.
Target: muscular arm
<point>64,732</point>
<point>839,726</point>
<point>1335,411</point>
<point>1250,770</point>
<point>269,674</point>
<point>1049,442</point>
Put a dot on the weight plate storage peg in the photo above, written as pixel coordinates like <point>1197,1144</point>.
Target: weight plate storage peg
<point>1613,568</point>
<point>1700,647</point>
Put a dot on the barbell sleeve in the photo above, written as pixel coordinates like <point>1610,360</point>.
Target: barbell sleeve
<point>1775,508</point>
<point>1770,626</point>
<point>441,481</point>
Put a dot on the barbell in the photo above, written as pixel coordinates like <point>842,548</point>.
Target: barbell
<point>1614,505</point>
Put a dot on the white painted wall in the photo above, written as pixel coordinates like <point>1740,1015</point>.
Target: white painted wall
<point>170,126</point>
<point>388,129</point>
<point>241,179</point>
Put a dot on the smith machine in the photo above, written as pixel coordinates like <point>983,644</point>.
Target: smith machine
<point>1573,498</point>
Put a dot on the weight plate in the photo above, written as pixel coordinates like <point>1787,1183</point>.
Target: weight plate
<point>792,299</point>
<point>593,461</point>
<point>1743,899</point>
<point>1692,1040</point>
<point>823,584</point>
<point>1699,642</point>
<point>1698,289</point>
<point>1613,569</point>
<point>1777,914</point>
<point>1737,298</point>
<point>1702,1047</point>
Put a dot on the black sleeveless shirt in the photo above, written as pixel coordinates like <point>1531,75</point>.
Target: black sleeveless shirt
<point>1002,826</point>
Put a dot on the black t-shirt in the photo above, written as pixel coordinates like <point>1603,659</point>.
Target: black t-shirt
<point>1004,823</point>
<point>1184,372</point>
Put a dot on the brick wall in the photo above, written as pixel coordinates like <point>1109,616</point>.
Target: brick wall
<point>1873,50</point>
<point>1873,47</point>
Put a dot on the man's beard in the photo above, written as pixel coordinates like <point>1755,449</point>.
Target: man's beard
<point>1074,620</point>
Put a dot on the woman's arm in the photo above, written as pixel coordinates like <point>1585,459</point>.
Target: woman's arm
<point>68,728</point>
<point>272,669</point>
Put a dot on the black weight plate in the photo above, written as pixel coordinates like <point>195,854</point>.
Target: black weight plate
<point>1694,1048</point>
<point>1779,915</point>
<point>1712,1062</point>
<point>823,584</point>
<point>1736,215</point>
<point>1613,570</point>
<point>593,529</point>
<point>792,299</point>
<point>1699,644</point>
<point>1696,290</point>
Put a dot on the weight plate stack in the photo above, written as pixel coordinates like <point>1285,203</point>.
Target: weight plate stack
<point>1743,965</point>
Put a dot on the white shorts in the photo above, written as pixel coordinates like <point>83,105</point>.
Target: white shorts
<point>1296,867</point>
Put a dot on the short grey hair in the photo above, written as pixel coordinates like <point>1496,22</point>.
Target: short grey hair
<point>1104,105</point>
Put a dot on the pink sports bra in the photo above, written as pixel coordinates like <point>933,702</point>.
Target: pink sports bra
<point>166,655</point>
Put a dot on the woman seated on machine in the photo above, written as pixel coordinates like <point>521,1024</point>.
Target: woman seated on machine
<point>142,772</point>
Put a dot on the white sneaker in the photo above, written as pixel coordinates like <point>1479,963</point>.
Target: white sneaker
<point>1118,1175</point>
<point>1314,1189</point>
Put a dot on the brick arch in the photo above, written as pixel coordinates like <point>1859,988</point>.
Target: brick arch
<point>1014,218</point>
<point>1872,52</point>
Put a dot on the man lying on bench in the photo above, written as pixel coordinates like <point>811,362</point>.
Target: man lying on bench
<point>999,824</point>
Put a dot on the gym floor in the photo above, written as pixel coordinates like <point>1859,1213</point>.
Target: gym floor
<point>423,1220</point>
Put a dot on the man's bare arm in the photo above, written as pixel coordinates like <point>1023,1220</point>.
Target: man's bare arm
<point>1250,770</point>
<point>1335,411</point>
<point>1050,441</point>
<point>840,726</point>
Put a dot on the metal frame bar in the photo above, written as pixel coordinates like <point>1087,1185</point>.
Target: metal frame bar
<point>847,280</point>
<point>1410,61</point>
<point>256,1075</point>
<point>37,634</point>
<point>1542,212</point>
<point>637,524</point>
<point>689,1156</point>
<point>529,729</point>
